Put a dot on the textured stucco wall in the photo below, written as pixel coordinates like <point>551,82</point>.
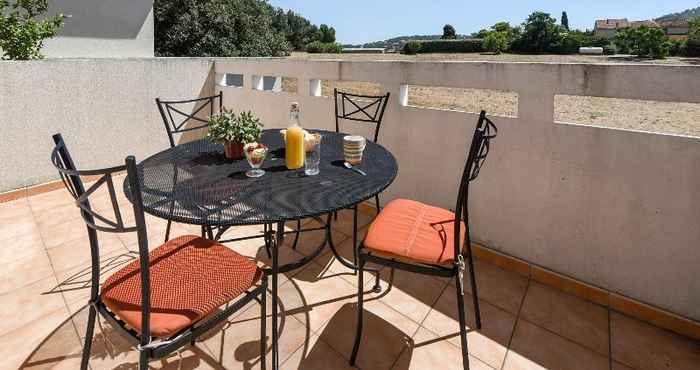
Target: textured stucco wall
<point>104,108</point>
<point>615,208</point>
<point>102,29</point>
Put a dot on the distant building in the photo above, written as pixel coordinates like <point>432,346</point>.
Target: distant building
<point>102,29</point>
<point>608,27</point>
<point>676,30</point>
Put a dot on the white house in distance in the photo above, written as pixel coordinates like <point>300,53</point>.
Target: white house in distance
<point>102,29</point>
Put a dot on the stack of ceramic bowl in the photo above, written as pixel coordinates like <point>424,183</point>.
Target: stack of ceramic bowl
<point>353,146</point>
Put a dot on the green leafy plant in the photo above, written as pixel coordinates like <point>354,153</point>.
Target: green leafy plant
<point>447,46</point>
<point>226,126</point>
<point>23,30</point>
<point>449,32</point>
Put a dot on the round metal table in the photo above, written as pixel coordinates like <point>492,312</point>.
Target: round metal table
<point>194,183</point>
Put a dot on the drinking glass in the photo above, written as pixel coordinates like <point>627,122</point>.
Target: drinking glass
<point>255,154</point>
<point>313,154</point>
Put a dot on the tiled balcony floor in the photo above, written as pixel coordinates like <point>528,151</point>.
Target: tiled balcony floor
<point>413,325</point>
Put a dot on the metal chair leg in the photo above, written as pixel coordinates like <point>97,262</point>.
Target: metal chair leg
<point>263,325</point>
<point>204,232</point>
<point>88,338</point>
<point>267,230</point>
<point>296,237</point>
<point>462,322</point>
<point>376,201</point>
<point>143,360</point>
<point>360,296</point>
<point>167,231</point>
<point>475,295</point>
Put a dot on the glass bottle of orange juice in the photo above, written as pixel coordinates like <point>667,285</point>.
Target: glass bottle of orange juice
<point>294,140</point>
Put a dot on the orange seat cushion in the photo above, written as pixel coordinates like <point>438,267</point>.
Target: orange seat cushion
<point>410,230</point>
<point>190,278</point>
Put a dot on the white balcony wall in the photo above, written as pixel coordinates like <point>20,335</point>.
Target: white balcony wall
<point>617,209</point>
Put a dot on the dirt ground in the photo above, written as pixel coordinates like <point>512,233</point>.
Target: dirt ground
<point>653,116</point>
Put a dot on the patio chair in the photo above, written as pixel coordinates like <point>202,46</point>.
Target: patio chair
<point>170,296</point>
<point>360,108</point>
<point>178,121</point>
<point>416,237</point>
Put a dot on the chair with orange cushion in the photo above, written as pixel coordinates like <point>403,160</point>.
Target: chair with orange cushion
<point>420,238</point>
<point>170,296</point>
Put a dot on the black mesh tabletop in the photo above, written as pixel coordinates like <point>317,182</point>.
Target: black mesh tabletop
<point>194,183</point>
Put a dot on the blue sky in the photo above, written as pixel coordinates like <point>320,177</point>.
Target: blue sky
<point>358,21</point>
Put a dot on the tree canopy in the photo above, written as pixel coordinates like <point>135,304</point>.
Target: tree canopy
<point>23,30</point>
<point>449,32</point>
<point>248,28</point>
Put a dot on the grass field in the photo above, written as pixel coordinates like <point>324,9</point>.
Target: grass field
<point>653,116</point>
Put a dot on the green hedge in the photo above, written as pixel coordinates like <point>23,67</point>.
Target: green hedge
<point>444,46</point>
<point>324,47</point>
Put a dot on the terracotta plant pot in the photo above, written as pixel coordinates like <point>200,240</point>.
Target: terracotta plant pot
<point>233,150</point>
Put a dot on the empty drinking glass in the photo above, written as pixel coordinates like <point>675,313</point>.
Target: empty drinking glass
<point>313,154</point>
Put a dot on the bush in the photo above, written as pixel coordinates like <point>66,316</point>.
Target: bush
<point>411,47</point>
<point>678,48</point>
<point>317,47</point>
<point>496,42</point>
<point>643,42</point>
<point>692,48</point>
<point>609,49</point>
<point>451,46</point>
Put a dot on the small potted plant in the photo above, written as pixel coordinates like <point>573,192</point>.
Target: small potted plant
<point>234,131</point>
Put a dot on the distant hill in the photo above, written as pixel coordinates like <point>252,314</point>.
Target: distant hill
<point>397,42</point>
<point>684,15</point>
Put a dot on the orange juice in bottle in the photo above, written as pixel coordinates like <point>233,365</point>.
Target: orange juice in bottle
<point>294,145</point>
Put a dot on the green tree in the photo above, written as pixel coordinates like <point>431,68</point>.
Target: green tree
<point>327,33</point>
<point>565,20</point>
<point>643,42</point>
<point>449,32</point>
<point>540,34</point>
<point>694,25</point>
<point>301,31</point>
<point>496,42</point>
<point>23,30</point>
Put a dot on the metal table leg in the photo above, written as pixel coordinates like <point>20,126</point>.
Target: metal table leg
<point>279,239</point>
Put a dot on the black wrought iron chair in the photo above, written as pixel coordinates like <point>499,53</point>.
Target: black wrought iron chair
<point>361,108</point>
<point>170,296</point>
<point>388,243</point>
<point>178,121</point>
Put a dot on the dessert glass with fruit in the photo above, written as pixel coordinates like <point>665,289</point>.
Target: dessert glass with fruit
<point>255,153</point>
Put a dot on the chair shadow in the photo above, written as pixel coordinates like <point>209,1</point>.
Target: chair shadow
<point>372,345</point>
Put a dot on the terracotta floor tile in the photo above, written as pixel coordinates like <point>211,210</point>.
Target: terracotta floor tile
<point>431,352</point>
<point>644,346</point>
<point>334,266</point>
<point>411,294</point>
<point>76,253</point>
<point>316,355</point>
<point>21,247</point>
<point>57,215</point>
<point>537,348</point>
<point>31,302</point>
<point>345,221</point>
<point>14,228</point>
<point>489,344</point>
<point>58,234</point>
<point>313,296</point>
<point>25,271</point>
<point>50,200</point>
<point>385,334</point>
<point>618,366</point>
<point>237,345</point>
<point>500,287</point>
<point>574,318</point>
<point>48,342</point>
<point>15,209</point>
